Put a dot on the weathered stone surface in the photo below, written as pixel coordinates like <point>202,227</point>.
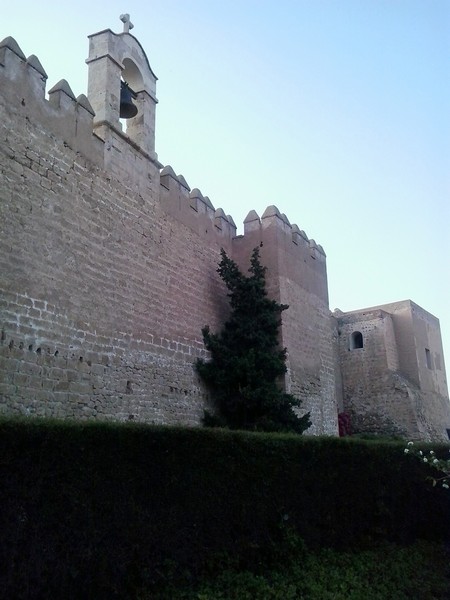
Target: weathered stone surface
<point>388,385</point>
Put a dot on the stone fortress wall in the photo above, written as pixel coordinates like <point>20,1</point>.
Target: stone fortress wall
<point>108,268</point>
<point>108,261</point>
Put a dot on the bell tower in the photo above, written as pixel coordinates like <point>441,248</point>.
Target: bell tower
<point>114,59</point>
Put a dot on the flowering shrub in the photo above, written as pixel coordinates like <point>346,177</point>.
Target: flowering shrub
<point>439,464</point>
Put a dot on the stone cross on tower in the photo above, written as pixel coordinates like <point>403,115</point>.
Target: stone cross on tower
<point>127,24</point>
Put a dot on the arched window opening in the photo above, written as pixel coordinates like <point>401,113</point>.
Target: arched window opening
<point>356,340</point>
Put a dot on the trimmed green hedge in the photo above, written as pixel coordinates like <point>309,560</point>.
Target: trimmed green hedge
<point>96,510</point>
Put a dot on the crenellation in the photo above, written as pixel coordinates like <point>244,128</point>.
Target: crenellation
<point>60,115</point>
<point>8,47</point>
<point>252,222</point>
<point>61,96</point>
<point>208,202</point>
<point>184,184</point>
<point>167,177</point>
<point>201,204</point>
<point>285,220</point>
<point>192,208</point>
<point>272,216</point>
<point>315,250</point>
<point>38,76</point>
<point>287,226</point>
<point>297,236</point>
<point>35,64</point>
<point>223,224</point>
<point>232,223</point>
<point>83,102</point>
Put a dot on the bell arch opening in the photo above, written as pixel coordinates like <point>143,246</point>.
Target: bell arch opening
<point>132,75</point>
<point>131,83</point>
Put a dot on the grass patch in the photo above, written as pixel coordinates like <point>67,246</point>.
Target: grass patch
<point>416,572</point>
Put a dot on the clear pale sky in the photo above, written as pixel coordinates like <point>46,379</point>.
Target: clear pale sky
<point>337,112</point>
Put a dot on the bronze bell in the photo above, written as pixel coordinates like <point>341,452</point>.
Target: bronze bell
<point>128,110</point>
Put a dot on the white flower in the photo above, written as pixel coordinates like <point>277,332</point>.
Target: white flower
<point>445,485</point>
<point>412,443</point>
<point>406,450</point>
<point>425,459</point>
<point>435,461</point>
<point>431,451</point>
<point>420,452</point>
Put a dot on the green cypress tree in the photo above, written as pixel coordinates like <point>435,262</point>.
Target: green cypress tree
<point>246,359</point>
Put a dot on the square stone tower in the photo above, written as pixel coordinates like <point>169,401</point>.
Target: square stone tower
<point>393,371</point>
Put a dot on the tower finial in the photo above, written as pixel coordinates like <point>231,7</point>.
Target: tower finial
<point>127,24</point>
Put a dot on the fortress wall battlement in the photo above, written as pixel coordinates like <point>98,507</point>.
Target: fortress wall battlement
<point>23,82</point>
<point>194,210</point>
<point>273,216</point>
<point>70,120</point>
<point>286,250</point>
